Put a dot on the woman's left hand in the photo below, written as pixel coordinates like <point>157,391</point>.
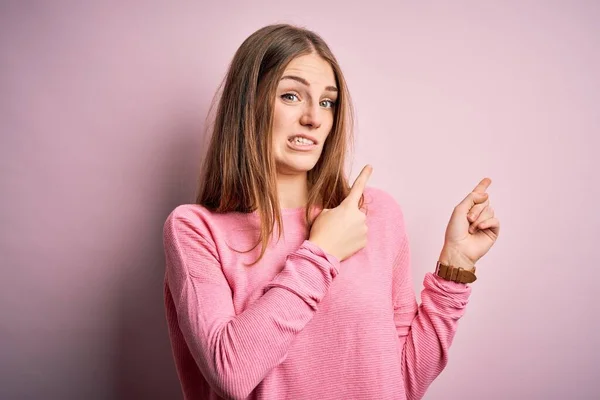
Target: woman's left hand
<point>472,230</point>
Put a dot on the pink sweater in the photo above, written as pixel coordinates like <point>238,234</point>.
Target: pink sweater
<point>300,324</point>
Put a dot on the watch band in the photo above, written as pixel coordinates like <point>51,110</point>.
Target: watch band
<point>455,274</point>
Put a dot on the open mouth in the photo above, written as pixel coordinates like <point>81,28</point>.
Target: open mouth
<point>301,144</point>
<point>301,141</point>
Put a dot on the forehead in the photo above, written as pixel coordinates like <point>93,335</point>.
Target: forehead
<point>313,68</point>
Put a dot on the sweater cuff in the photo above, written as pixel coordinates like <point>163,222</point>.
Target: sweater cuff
<point>307,273</point>
<point>450,286</point>
<point>333,260</point>
<point>454,294</point>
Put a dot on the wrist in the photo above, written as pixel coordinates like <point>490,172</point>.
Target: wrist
<point>323,247</point>
<point>449,256</point>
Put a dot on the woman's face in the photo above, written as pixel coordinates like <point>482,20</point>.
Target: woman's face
<point>303,113</point>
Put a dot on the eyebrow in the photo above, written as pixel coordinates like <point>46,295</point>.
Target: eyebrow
<point>305,82</point>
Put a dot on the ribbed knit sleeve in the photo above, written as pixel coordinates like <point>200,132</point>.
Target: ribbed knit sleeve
<point>236,352</point>
<point>426,331</point>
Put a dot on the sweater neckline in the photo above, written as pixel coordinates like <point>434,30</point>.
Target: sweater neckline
<point>287,211</point>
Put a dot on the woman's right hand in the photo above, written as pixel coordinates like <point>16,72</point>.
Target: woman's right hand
<point>342,231</point>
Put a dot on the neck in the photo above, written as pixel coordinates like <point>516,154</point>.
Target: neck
<point>292,190</point>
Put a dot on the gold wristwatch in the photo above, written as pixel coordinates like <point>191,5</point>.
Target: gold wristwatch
<point>455,274</point>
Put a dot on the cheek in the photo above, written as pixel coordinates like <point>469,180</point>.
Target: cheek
<point>328,125</point>
<point>283,122</point>
<point>330,120</point>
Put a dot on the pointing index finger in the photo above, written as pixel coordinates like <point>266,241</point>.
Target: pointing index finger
<point>483,185</point>
<point>359,185</point>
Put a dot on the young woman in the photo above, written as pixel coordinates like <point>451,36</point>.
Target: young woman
<point>282,281</point>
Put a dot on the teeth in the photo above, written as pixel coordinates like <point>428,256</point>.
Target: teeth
<point>301,140</point>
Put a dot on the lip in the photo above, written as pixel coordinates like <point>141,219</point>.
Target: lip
<point>301,147</point>
<point>314,140</point>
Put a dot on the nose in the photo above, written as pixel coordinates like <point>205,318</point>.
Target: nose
<point>311,116</point>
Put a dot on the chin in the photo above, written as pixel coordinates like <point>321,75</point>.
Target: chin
<point>297,168</point>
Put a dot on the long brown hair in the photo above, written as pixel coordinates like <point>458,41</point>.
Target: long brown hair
<point>239,172</point>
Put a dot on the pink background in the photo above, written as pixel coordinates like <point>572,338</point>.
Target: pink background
<point>102,111</point>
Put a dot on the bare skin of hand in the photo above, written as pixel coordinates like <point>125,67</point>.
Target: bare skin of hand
<point>472,230</point>
<point>342,231</point>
